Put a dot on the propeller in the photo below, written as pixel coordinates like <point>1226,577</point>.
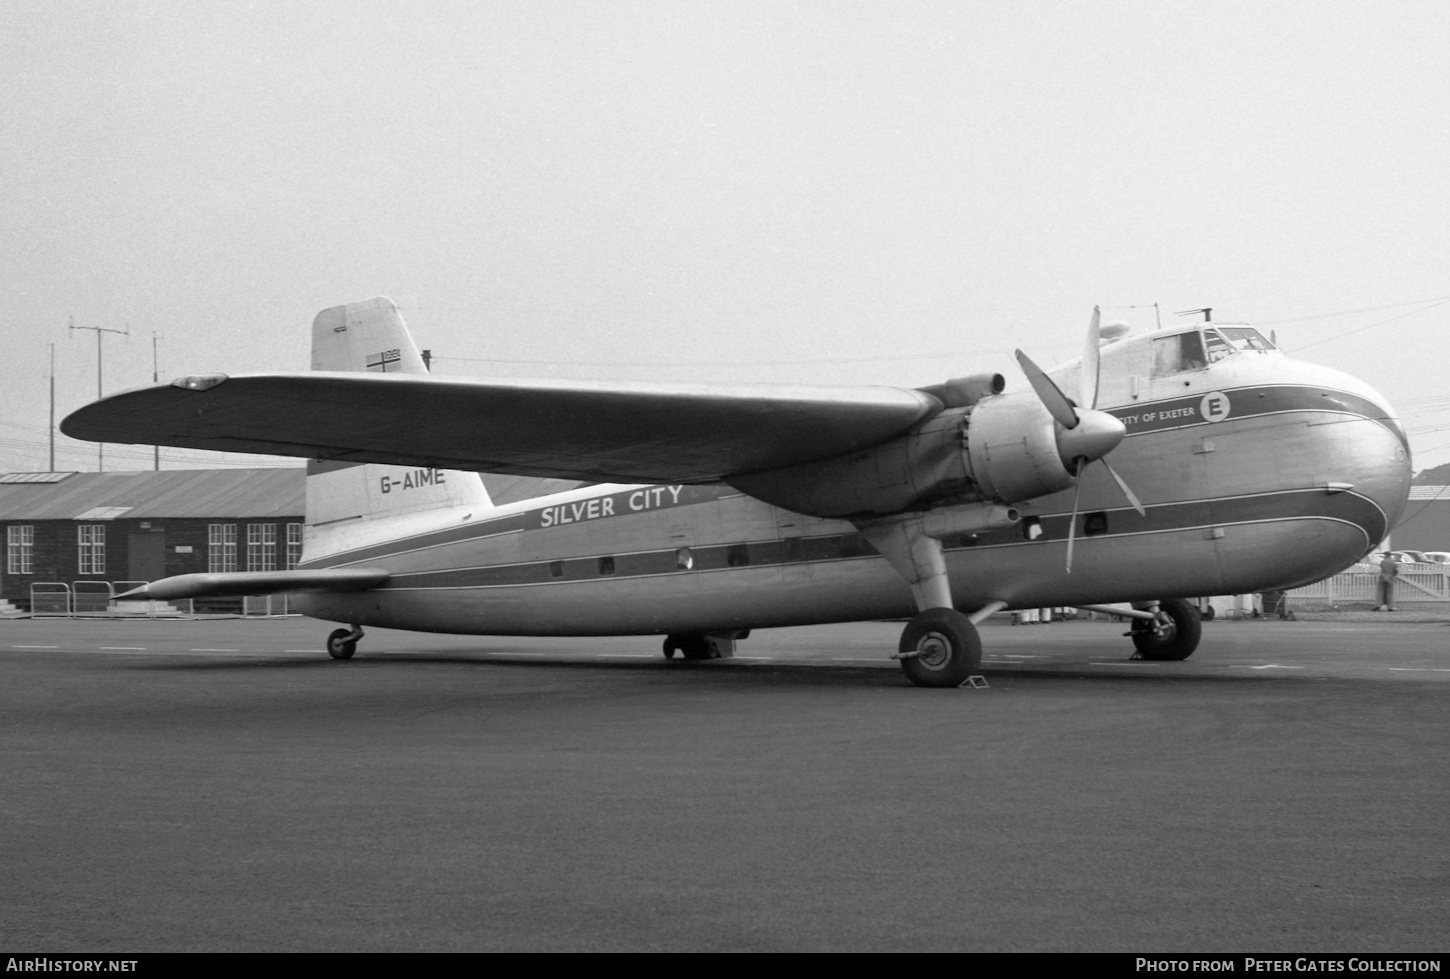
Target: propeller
<point>1084,435</point>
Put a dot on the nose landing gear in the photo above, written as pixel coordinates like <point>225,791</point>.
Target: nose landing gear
<point>1174,636</point>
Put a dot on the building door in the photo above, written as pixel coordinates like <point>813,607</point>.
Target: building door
<point>146,556</point>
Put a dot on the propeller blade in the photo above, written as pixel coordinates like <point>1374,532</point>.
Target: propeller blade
<point>1072,525</point>
<point>1087,371</point>
<point>1124,487</point>
<point>1048,393</point>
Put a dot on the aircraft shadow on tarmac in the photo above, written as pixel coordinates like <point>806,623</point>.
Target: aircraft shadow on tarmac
<point>756,671</point>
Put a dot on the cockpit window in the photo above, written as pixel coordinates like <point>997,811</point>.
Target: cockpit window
<point>1225,341</point>
<point>1245,338</point>
<point>1218,347</point>
<point>1179,353</point>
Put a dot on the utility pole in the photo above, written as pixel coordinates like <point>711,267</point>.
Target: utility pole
<point>100,447</point>
<point>155,379</point>
<point>51,429</point>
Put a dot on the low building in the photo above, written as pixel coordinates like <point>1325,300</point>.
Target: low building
<point>131,527</point>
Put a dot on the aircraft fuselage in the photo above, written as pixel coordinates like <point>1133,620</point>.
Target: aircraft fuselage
<point>1257,472</point>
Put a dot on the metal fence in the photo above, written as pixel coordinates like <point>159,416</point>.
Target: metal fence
<point>97,599</point>
<point>267,605</point>
<point>49,598</point>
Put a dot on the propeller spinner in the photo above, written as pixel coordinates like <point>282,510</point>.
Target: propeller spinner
<point>1084,434</point>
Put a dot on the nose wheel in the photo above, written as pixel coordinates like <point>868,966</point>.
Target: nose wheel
<point>1175,635</point>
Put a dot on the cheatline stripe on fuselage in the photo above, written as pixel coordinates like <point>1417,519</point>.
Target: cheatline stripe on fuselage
<point>1169,414</point>
<point>1230,404</point>
<point>1313,504</point>
<point>634,501</point>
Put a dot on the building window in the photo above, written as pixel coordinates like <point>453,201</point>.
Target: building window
<point>294,545</point>
<point>91,543</point>
<point>221,547</point>
<point>19,549</point>
<point>261,547</point>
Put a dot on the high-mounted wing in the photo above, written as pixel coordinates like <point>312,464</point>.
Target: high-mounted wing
<point>638,432</point>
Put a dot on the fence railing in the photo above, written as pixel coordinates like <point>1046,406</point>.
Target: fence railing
<point>97,599</point>
<point>91,597</point>
<point>49,598</point>
<point>267,605</point>
<point>1416,583</point>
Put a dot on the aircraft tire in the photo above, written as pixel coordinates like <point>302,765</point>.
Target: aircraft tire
<point>1179,640</point>
<point>691,645</point>
<point>338,646</point>
<point>946,648</point>
<point>695,646</point>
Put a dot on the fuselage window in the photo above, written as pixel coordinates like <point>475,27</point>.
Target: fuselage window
<point>606,564</point>
<point>1176,354</point>
<point>737,555</point>
<point>684,560</point>
<point>1031,528</point>
<point>1094,524</point>
<point>556,569</point>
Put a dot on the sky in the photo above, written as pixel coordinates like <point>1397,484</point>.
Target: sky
<point>797,192</point>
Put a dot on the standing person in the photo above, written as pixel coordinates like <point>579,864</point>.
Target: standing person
<point>1389,571</point>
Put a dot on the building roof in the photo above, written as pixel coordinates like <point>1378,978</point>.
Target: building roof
<point>1430,492</point>
<point>173,493</point>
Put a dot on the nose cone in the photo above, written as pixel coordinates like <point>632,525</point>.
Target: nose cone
<point>1366,448</point>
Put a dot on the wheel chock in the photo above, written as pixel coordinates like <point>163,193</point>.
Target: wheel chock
<point>976,682</point>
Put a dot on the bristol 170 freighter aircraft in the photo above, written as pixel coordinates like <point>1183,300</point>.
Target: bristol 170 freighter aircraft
<point>1194,460</point>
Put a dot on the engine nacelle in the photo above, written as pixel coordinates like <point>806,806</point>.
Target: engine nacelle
<point>1012,443</point>
<point>1001,449</point>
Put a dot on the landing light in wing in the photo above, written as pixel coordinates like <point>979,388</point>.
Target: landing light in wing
<point>199,382</point>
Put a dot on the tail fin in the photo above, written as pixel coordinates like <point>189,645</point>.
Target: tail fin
<point>343,499</point>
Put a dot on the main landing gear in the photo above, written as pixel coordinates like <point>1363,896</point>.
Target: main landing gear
<point>342,643</point>
<point>703,645</point>
<point>940,646</point>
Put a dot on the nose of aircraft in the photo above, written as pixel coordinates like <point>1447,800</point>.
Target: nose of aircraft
<point>1365,444</point>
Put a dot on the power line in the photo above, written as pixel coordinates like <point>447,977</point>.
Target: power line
<point>1361,329</point>
<point>1351,312</point>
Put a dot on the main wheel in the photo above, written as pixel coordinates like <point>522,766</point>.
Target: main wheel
<point>1178,639</point>
<point>691,645</point>
<point>339,646</point>
<point>940,648</point>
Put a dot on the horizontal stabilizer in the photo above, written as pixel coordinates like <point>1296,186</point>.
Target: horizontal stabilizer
<point>235,583</point>
<point>598,432</point>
